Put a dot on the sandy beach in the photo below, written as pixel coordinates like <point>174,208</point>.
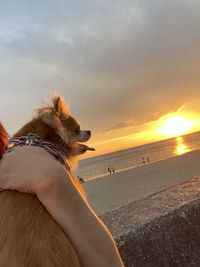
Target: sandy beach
<point>116,190</point>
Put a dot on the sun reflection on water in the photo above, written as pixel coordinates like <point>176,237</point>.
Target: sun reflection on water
<point>181,147</point>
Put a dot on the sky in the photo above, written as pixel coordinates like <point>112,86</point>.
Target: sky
<point>123,66</point>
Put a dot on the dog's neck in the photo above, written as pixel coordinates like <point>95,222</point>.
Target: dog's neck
<point>37,126</point>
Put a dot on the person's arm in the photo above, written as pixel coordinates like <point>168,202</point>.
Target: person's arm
<point>92,240</point>
<point>33,170</point>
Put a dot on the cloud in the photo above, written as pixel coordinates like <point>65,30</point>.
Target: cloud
<point>113,60</point>
<point>120,125</point>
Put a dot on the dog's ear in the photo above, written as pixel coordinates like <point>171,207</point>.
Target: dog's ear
<point>53,114</point>
<point>60,107</point>
<point>51,119</point>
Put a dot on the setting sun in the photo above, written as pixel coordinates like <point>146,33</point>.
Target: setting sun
<point>176,126</point>
<point>170,125</point>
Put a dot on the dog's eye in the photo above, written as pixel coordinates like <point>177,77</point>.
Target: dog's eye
<point>77,131</point>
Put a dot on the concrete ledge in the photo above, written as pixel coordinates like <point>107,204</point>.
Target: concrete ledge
<point>160,230</point>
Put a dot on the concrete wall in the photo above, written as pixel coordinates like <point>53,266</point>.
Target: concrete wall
<point>160,230</point>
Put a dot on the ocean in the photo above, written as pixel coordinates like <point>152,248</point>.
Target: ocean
<point>97,167</point>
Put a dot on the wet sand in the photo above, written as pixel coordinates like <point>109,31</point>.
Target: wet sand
<point>116,190</point>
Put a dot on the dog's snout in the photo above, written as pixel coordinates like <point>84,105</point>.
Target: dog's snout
<point>88,132</point>
<point>85,136</point>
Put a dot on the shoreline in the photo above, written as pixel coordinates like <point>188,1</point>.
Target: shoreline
<point>114,191</point>
<point>136,166</point>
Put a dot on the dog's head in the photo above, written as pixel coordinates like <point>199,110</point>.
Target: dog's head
<point>65,126</point>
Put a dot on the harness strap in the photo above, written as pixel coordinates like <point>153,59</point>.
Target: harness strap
<point>35,140</point>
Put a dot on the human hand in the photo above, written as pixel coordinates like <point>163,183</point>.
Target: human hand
<point>27,168</point>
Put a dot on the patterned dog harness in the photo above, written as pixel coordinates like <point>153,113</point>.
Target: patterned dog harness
<point>35,140</point>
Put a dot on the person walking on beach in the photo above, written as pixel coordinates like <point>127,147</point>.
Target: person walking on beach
<point>109,170</point>
<point>148,160</point>
<point>143,160</point>
<point>113,170</point>
<point>81,180</point>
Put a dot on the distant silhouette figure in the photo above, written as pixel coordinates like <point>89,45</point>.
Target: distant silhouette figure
<point>148,160</point>
<point>113,170</point>
<point>81,180</point>
<point>110,171</point>
<point>143,160</point>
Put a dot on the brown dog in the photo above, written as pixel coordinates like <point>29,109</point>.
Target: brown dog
<point>29,236</point>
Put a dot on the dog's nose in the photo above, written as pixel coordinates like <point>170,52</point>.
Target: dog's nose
<point>88,132</point>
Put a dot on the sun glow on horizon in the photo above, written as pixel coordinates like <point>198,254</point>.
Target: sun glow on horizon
<point>176,126</point>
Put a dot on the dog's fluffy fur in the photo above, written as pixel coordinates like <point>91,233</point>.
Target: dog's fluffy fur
<point>29,236</point>
<point>54,123</point>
